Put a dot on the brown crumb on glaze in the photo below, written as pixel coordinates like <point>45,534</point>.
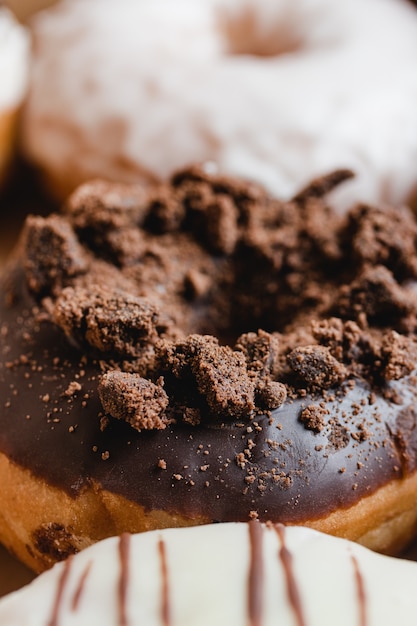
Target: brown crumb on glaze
<point>314,417</point>
<point>317,366</point>
<point>138,401</point>
<point>73,388</point>
<point>107,321</point>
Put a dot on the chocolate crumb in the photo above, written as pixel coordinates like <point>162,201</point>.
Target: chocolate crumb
<point>134,399</point>
<point>313,417</point>
<point>108,321</point>
<point>54,542</point>
<point>270,394</point>
<point>317,366</point>
<point>217,373</point>
<point>321,186</point>
<point>72,388</point>
<point>53,254</point>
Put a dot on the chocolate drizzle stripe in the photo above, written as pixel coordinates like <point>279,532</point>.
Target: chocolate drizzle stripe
<point>360,592</point>
<point>62,581</point>
<point>292,587</point>
<point>165,604</point>
<point>80,587</point>
<point>124,553</point>
<point>256,574</point>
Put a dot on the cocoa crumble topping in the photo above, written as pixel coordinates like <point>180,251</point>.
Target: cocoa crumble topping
<point>159,284</point>
<point>204,310</point>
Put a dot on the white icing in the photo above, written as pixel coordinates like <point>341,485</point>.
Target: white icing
<point>14,58</point>
<point>208,583</point>
<point>139,88</point>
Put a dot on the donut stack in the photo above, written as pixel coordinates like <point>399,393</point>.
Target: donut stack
<point>179,348</point>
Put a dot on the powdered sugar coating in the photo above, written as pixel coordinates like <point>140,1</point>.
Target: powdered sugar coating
<point>278,92</point>
<point>14,53</point>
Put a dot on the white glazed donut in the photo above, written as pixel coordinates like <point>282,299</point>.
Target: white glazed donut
<point>14,52</point>
<point>226,574</point>
<point>280,91</point>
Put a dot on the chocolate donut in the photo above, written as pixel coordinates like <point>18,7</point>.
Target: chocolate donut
<point>200,352</point>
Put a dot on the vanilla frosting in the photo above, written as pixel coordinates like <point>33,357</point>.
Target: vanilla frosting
<point>222,574</point>
<point>279,92</point>
<point>14,57</point>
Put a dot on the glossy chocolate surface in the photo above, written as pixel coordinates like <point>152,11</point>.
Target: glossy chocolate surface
<point>298,474</point>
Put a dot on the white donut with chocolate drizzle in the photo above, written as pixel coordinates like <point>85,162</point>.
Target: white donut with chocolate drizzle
<point>232,574</point>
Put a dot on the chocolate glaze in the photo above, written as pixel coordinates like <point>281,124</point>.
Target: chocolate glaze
<point>165,592</point>
<point>299,474</point>
<point>62,582</point>
<point>80,587</point>
<point>292,587</point>
<point>124,555</point>
<point>346,419</point>
<point>361,593</point>
<point>256,574</point>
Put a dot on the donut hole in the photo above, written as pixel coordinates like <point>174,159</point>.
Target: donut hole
<point>247,32</point>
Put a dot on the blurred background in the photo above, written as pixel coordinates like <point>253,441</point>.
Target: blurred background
<point>16,200</point>
<point>24,8</point>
